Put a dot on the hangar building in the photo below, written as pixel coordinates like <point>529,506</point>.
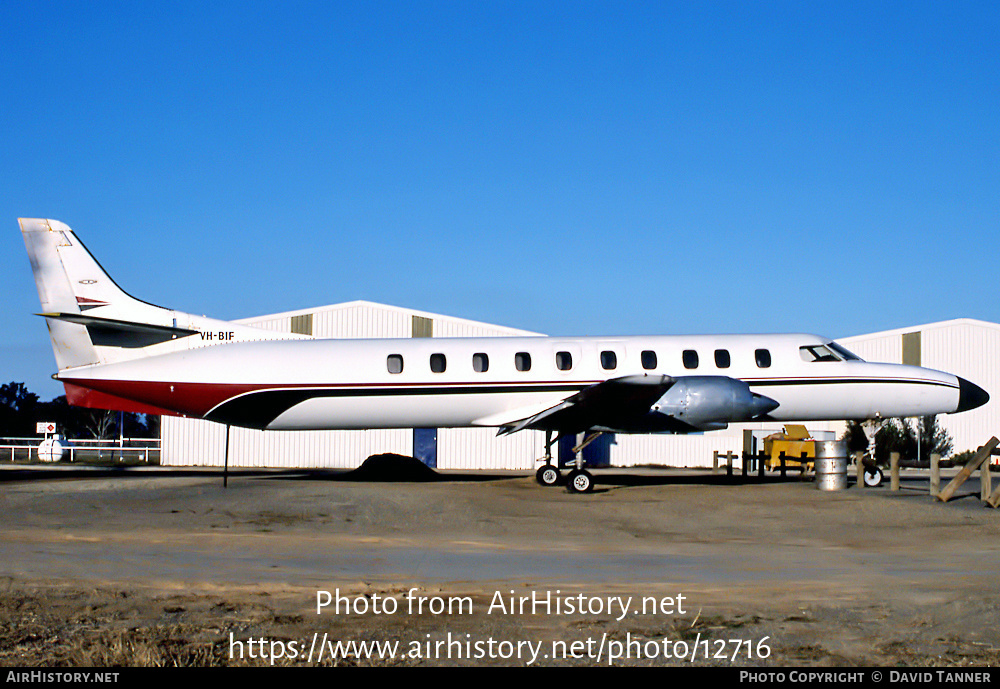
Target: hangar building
<point>965,347</point>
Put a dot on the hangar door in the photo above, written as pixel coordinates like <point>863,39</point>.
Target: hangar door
<point>597,454</point>
<point>425,443</point>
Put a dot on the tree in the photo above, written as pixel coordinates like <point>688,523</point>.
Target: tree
<point>69,420</point>
<point>855,437</point>
<point>899,435</point>
<point>18,411</point>
<point>895,435</point>
<point>101,423</point>
<point>934,439</point>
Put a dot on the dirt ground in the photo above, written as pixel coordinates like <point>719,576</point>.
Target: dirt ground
<point>159,566</point>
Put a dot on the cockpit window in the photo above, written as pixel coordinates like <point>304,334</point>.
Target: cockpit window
<point>844,352</point>
<point>817,353</point>
<point>828,352</point>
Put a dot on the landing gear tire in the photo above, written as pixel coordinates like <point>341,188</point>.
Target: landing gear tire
<point>580,481</point>
<point>548,475</point>
<point>872,477</point>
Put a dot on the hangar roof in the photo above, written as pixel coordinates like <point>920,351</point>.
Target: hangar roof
<point>446,325</point>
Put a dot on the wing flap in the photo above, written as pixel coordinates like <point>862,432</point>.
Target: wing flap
<point>512,417</point>
<point>615,403</point>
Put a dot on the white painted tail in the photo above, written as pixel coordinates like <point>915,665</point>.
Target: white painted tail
<point>92,320</point>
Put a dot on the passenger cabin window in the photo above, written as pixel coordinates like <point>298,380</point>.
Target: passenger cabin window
<point>609,361</point>
<point>394,362</point>
<point>522,361</point>
<point>763,357</point>
<point>480,362</point>
<point>438,363</point>
<point>690,358</point>
<point>648,359</point>
<point>564,361</point>
<point>722,358</point>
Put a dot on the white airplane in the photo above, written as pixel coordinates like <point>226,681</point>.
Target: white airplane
<point>116,352</point>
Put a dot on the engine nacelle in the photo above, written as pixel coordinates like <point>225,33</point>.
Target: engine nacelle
<point>711,403</point>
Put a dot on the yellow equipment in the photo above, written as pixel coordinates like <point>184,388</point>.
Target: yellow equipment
<point>795,443</point>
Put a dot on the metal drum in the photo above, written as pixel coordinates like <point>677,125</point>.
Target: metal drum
<point>831,465</point>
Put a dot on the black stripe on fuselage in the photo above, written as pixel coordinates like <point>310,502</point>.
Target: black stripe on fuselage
<point>258,409</point>
<point>775,382</point>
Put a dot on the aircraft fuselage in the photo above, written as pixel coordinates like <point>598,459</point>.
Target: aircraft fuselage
<point>458,382</point>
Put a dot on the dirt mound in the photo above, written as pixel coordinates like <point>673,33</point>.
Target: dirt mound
<point>392,467</point>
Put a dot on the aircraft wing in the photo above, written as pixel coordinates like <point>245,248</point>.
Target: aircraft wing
<point>618,403</point>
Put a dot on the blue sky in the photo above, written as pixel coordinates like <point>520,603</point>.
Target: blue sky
<point>576,168</point>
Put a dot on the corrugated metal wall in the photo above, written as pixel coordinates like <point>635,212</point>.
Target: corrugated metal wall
<point>968,349</point>
<point>677,451</point>
<point>877,347</point>
<point>480,448</point>
<point>192,442</point>
<point>349,321</point>
<point>458,328</point>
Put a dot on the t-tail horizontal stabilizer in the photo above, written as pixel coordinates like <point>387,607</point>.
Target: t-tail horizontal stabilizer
<point>108,332</point>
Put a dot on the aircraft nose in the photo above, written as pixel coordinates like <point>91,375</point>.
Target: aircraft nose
<point>970,395</point>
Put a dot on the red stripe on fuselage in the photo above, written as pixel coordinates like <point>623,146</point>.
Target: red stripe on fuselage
<point>94,399</point>
<point>187,399</point>
<point>197,399</point>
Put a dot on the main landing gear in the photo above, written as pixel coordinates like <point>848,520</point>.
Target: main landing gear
<point>579,480</point>
<point>548,474</point>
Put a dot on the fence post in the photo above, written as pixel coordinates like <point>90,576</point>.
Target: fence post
<point>985,481</point>
<point>935,474</point>
<point>715,461</point>
<point>894,470</point>
<point>983,454</point>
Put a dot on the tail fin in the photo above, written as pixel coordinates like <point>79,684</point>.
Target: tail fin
<point>85,310</point>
